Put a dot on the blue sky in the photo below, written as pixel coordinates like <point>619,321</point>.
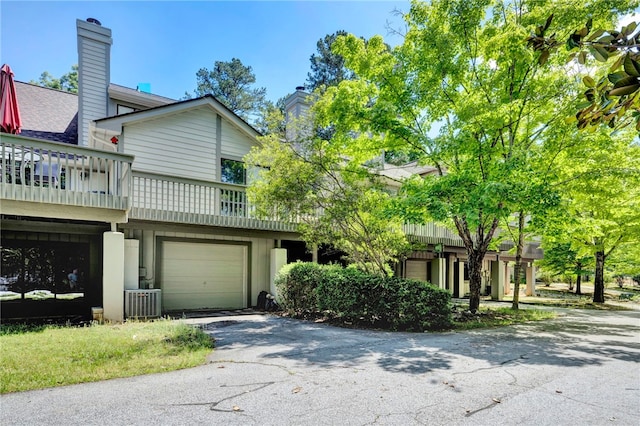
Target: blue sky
<point>164,43</point>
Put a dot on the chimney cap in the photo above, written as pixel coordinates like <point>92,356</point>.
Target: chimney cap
<point>94,21</point>
<point>299,88</point>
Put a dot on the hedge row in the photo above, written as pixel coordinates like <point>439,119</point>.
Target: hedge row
<point>348,293</point>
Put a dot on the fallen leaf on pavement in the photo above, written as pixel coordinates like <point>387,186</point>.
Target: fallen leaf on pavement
<point>296,389</point>
<point>558,391</point>
<point>236,408</point>
<point>496,400</point>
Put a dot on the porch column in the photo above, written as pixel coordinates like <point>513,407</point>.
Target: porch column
<point>497,280</point>
<point>531,280</point>
<point>278,260</point>
<point>460,283</point>
<point>438,272</point>
<point>113,276</point>
<point>451,273</point>
<point>507,278</point>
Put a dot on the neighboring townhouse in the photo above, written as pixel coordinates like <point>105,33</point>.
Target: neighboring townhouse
<point>135,203</point>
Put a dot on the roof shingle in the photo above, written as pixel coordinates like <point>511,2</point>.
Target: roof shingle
<point>47,113</point>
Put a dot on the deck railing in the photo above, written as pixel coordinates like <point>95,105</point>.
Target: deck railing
<point>49,172</point>
<point>165,198</point>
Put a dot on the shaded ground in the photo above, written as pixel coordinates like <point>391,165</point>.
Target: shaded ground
<point>582,368</point>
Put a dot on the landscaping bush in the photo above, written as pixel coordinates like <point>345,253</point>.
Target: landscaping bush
<point>296,284</point>
<point>353,295</point>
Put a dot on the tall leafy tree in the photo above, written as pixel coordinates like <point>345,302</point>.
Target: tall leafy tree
<point>232,83</point>
<point>464,68</point>
<point>68,82</point>
<point>272,117</point>
<point>335,202</point>
<point>327,67</point>
<point>601,196</point>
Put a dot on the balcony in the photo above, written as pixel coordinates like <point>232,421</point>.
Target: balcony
<point>84,183</point>
<point>63,176</point>
<point>164,198</point>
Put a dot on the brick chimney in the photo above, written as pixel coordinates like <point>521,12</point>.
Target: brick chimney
<point>94,56</point>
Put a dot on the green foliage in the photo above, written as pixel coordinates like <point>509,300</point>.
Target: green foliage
<point>232,84</point>
<point>334,201</point>
<point>600,181</point>
<point>272,118</point>
<point>67,82</point>
<point>327,67</point>
<point>351,294</point>
<point>464,94</point>
<point>296,284</point>
<point>612,97</point>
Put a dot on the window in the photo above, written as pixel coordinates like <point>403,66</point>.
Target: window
<point>233,171</point>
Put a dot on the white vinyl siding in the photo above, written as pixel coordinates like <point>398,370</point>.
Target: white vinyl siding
<point>202,275</point>
<point>416,270</point>
<point>182,145</point>
<point>235,144</point>
<point>94,57</point>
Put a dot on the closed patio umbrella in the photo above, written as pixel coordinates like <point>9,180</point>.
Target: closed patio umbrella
<point>9,112</point>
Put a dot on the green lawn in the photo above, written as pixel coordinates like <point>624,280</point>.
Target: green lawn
<point>497,317</point>
<point>41,357</point>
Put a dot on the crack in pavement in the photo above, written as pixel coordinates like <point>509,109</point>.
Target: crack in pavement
<point>493,367</point>
<point>471,413</point>
<point>266,364</point>
<point>213,404</point>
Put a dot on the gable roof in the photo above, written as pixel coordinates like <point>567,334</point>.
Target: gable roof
<point>47,114</point>
<point>134,96</point>
<point>116,122</point>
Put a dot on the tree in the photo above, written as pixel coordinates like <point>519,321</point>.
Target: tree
<point>67,82</point>
<point>272,117</point>
<point>232,84</point>
<point>463,68</point>
<point>327,67</point>
<point>561,259</point>
<point>613,97</point>
<point>601,196</point>
<point>335,202</point>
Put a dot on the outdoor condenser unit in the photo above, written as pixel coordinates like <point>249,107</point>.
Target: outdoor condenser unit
<point>142,303</point>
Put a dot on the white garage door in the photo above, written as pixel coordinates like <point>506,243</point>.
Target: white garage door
<point>203,275</point>
<point>416,270</point>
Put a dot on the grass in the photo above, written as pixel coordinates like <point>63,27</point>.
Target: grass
<point>46,356</point>
<point>497,317</point>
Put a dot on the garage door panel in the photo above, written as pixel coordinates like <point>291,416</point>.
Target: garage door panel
<point>416,269</point>
<point>203,275</point>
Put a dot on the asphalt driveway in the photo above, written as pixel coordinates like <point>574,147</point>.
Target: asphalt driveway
<point>583,368</point>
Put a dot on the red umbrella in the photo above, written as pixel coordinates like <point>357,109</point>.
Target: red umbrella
<point>9,111</point>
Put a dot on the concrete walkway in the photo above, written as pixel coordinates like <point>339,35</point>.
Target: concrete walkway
<point>580,369</point>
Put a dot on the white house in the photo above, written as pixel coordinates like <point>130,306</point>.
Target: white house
<point>142,198</point>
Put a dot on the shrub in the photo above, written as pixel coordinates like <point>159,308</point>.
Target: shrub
<point>296,284</point>
<point>353,295</point>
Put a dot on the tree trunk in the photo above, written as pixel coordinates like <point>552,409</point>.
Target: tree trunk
<point>579,281</point>
<point>475,279</point>
<point>598,283</point>
<point>517,270</point>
